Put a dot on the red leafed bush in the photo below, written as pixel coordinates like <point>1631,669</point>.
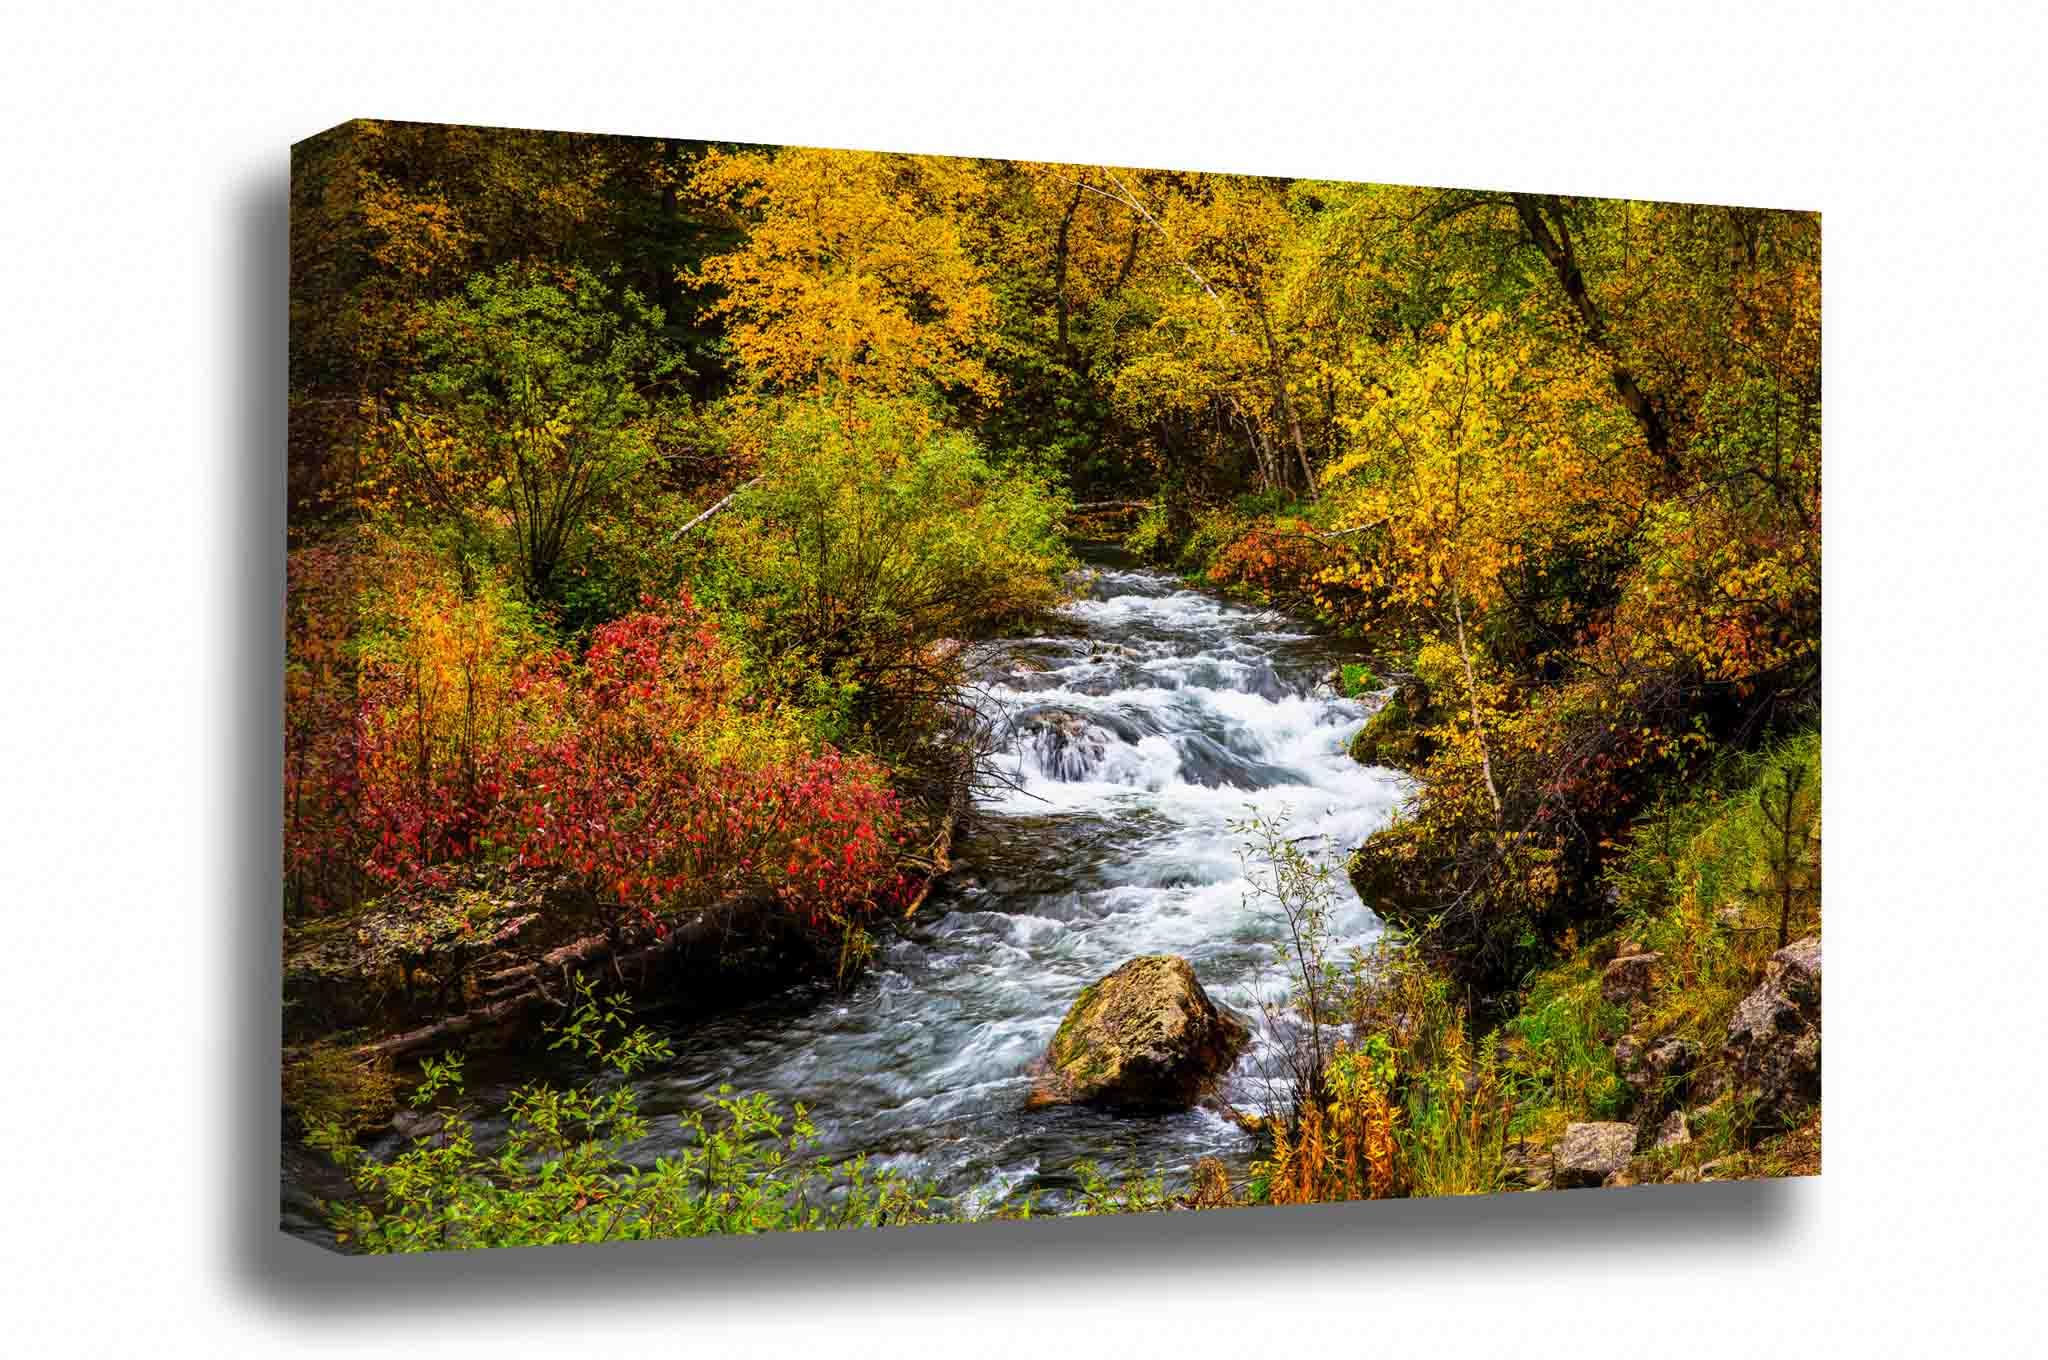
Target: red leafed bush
<point>644,771</point>
<point>663,784</point>
<point>451,685</point>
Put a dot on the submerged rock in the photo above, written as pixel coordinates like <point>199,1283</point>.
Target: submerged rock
<point>1774,1036</point>
<point>1071,745</point>
<point>1265,682</point>
<point>1589,1153</point>
<point>1146,1037</point>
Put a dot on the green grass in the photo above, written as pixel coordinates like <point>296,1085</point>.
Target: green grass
<point>1559,1051</point>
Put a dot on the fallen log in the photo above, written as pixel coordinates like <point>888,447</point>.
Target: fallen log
<point>515,990</point>
<point>508,995</point>
<point>438,1035</point>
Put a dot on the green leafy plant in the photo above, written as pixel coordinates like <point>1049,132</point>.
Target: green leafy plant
<point>561,1175</point>
<point>531,408</point>
<point>869,536</point>
<point>1560,1051</point>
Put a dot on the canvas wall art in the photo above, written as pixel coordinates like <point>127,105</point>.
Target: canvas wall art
<point>835,689</point>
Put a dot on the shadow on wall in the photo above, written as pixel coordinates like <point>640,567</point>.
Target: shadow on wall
<point>1248,1247</point>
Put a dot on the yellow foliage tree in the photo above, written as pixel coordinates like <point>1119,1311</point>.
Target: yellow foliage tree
<point>855,271</point>
<point>1487,454</point>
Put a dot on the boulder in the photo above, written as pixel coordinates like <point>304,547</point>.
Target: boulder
<point>1394,737</point>
<point>1674,1131</point>
<point>1773,1042</point>
<point>1628,1053</point>
<point>1265,682</point>
<point>1589,1153</point>
<point>414,1125</point>
<point>1708,1086</point>
<point>1671,1056</point>
<point>1651,1069</point>
<point>1629,978</point>
<point>1146,1037</point>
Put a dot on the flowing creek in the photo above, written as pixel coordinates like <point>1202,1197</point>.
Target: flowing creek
<point>1130,743</point>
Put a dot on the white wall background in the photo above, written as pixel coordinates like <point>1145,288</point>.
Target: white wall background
<point>141,295</point>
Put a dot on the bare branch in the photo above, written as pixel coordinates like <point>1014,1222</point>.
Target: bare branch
<point>717,506</point>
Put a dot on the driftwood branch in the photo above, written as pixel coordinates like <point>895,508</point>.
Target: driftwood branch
<point>1335,533</point>
<point>716,506</point>
<point>942,844</point>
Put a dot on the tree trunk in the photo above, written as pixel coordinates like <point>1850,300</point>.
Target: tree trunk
<point>1472,703</point>
<point>1277,372</point>
<point>1543,219</point>
<point>1123,273</point>
<point>1059,272</point>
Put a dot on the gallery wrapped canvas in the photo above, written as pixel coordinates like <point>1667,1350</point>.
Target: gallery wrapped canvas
<point>837,689</point>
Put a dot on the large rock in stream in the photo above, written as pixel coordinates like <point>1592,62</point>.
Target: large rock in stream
<point>1144,1038</point>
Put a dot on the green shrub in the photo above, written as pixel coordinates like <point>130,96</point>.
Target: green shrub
<point>1559,1050</point>
<point>1150,538</point>
<point>1132,1192</point>
<point>561,1175</point>
<point>532,408</point>
<point>1715,882</point>
<point>1356,678</point>
<point>1213,532</point>
<point>870,534</point>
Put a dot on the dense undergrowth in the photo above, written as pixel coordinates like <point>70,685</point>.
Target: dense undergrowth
<point>560,1173</point>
